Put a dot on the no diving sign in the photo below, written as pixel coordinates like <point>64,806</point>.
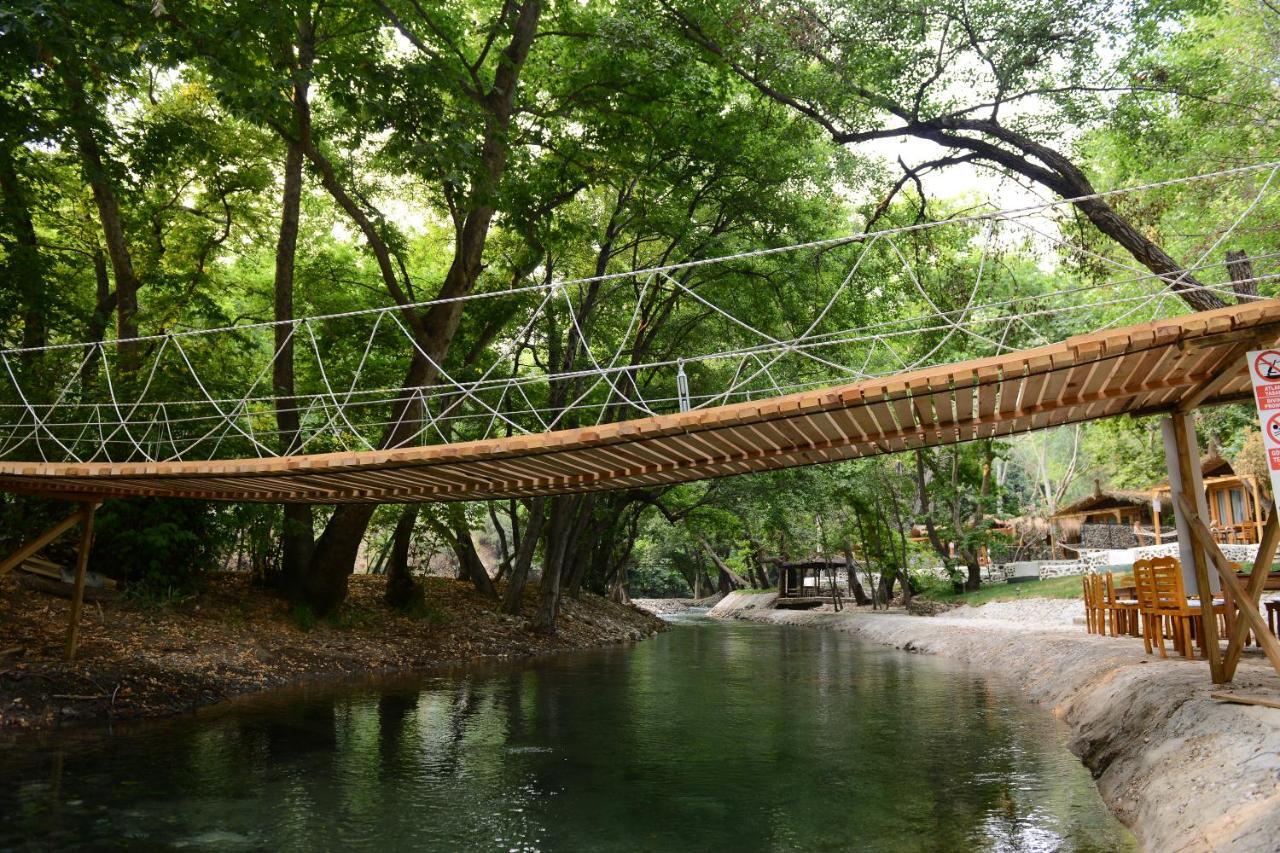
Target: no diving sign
<point>1264,370</point>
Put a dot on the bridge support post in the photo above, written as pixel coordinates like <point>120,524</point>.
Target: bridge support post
<point>86,514</point>
<point>1184,482</point>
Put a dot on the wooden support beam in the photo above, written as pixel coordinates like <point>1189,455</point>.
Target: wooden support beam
<point>85,514</point>
<point>1234,365</point>
<point>18,557</point>
<point>1270,645</point>
<point>1252,336</point>
<point>1253,591</point>
<point>1209,623</point>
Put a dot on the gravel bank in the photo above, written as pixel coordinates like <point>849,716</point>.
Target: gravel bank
<point>1183,771</point>
<point>673,606</point>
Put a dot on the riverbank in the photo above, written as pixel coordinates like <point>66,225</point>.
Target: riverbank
<point>139,659</point>
<point>1183,771</point>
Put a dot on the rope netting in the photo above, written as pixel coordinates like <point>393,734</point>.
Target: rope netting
<point>631,343</point>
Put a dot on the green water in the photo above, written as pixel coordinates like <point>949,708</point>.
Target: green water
<point>710,737</point>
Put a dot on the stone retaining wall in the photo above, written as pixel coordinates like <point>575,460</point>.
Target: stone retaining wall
<point>1094,560</point>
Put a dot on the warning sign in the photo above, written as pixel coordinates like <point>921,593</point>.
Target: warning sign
<point>1264,370</point>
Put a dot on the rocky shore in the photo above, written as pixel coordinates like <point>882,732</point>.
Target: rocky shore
<point>1184,771</point>
<point>144,659</point>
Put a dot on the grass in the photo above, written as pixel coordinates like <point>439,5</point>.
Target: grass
<point>1068,587</point>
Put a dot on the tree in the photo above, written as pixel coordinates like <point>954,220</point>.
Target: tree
<point>875,71</point>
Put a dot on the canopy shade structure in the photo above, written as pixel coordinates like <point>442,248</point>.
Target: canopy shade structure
<point>1163,366</point>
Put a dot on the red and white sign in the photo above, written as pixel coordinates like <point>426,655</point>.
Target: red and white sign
<point>1264,370</point>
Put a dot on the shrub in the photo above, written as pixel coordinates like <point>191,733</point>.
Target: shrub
<point>303,616</point>
<point>655,580</point>
<point>157,547</point>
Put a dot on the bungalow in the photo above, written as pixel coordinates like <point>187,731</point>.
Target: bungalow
<point>1125,518</point>
<point>1236,505</point>
<point>1117,518</point>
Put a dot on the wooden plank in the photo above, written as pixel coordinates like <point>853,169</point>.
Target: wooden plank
<point>1246,699</point>
<point>1230,368</point>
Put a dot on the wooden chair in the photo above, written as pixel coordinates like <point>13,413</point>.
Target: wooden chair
<point>1152,622</point>
<point>1123,612</point>
<point>1095,610</point>
<point>1171,604</point>
<point>1086,582</point>
<point>1134,624</point>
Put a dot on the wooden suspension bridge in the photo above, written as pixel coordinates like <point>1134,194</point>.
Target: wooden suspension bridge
<point>1169,367</point>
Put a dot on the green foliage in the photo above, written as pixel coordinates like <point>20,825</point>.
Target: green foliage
<point>1066,588</point>
<point>655,580</point>
<point>635,144</point>
<point>303,617</point>
<point>157,547</point>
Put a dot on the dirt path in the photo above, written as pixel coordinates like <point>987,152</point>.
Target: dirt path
<point>139,660</point>
<point>1184,771</point>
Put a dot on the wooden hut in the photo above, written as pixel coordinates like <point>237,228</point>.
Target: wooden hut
<point>1236,504</point>
<point>1127,509</point>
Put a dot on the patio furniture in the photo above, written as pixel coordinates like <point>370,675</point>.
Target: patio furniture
<point>1123,610</point>
<point>1092,612</point>
<point>1152,623</point>
<point>1163,602</point>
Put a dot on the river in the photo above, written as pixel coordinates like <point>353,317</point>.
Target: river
<point>712,736</point>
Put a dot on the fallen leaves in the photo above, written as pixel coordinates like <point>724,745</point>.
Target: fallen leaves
<point>139,660</point>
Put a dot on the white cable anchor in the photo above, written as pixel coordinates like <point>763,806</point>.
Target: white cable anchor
<point>682,386</point>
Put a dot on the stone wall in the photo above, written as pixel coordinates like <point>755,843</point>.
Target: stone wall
<point>1110,536</point>
<point>1062,568</point>
<point>1094,560</point>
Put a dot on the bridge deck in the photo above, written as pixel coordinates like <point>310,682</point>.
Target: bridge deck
<point>1196,358</point>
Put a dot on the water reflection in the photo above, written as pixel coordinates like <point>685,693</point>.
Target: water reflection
<point>711,737</point>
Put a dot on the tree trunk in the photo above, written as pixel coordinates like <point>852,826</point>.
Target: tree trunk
<point>887,580</point>
<point>926,513</point>
<point>851,569</point>
<point>591,540</point>
<point>996,144</point>
<point>24,264</point>
<point>298,535</point>
<point>974,580</point>
<point>1065,178</point>
<point>729,579</point>
<point>505,564</point>
<point>82,119</point>
<point>544,621</point>
<point>1240,268</point>
<point>401,588</point>
<point>469,559</point>
<point>434,332</point>
<point>514,596</point>
<point>104,305</point>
